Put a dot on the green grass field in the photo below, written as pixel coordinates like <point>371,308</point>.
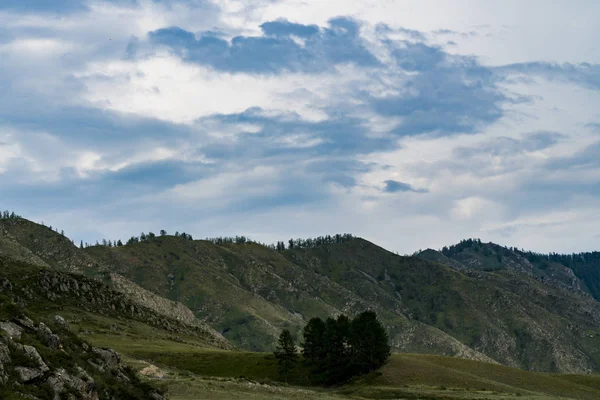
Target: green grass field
<point>194,371</point>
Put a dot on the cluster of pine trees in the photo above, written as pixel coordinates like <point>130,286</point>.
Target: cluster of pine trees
<point>311,243</point>
<point>9,215</point>
<point>229,240</point>
<point>336,350</point>
<point>459,247</point>
<point>151,236</point>
<point>585,266</point>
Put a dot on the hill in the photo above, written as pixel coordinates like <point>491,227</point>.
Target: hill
<point>250,292</point>
<point>48,361</point>
<point>490,304</point>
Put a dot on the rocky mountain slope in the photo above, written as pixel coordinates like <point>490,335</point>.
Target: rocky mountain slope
<point>249,293</point>
<point>34,244</point>
<point>37,362</point>
<point>492,304</point>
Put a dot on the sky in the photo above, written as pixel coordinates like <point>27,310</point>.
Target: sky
<point>411,123</point>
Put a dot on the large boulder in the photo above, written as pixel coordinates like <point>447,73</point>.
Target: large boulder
<point>49,339</point>
<point>12,330</point>
<point>27,374</point>
<point>32,353</point>
<point>60,381</point>
<point>61,321</point>
<point>26,323</point>
<point>106,359</point>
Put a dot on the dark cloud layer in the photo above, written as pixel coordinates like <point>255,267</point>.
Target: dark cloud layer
<point>392,186</point>
<point>277,51</point>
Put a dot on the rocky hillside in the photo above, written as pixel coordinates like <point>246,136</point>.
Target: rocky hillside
<point>250,293</point>
<point>48,361</point>
<point>33,244</point>
<point>489,304</point>
<point>504,314</point>
<point>472,254</point>
<point>41,289</point>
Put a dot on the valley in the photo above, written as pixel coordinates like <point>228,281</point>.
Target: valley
<point>201,318</point>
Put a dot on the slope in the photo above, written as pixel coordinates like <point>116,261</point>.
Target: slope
<point>494,307</point>
<point>36,244</point>
<point>507,315</point>
<point>250,293</point>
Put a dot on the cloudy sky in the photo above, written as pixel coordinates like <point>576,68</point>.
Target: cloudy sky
<point>413,124</point>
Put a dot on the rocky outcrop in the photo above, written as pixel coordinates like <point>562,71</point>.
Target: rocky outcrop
<point>148,299</point>
<point>67,372</point>
<point>9,246</point>
<point>94,295</point>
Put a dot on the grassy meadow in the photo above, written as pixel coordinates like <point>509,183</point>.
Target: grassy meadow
<point>193,370</point>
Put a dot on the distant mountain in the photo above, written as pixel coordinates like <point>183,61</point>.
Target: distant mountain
<point>471,300</point>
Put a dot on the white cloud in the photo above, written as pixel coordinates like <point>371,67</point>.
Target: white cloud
<point>167,88</point>
<point>37,47</point>
<point>79,62</point>
<point>520,30</point>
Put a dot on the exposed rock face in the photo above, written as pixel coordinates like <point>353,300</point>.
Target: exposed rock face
<point>50,339</point>
<point>65,374</point>
<point>35,357</point>
<point>60,380</point>
<point>4,360</point>
<point>146,298</point>
<point>95,295</point>
<point>10,246</point>
<point>108,359</point>
<point>11,329</point>
<point>61,321</point>
<point>27,375</point>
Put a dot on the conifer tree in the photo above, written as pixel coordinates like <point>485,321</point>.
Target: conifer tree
<point>337,349</point>
<point>369,342</point>
<point>285,353</point>
<point>314,346</point>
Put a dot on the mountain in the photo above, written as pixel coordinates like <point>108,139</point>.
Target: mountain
<point>501,312</point>
<point>482,301</point>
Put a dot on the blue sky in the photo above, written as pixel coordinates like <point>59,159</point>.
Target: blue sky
<point>413,124</point>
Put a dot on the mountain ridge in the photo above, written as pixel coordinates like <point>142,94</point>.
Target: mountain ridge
<point>497,307</point>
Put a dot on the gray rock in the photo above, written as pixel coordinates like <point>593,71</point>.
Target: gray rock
<point>61,380</point>
<point>56,383</point>
<point>61,321</point>
<point>50,339</point>
<point>4,359</point>
<point>11,329</point>
<point>107,358</point>
<point>26,323</point>
<point>28,374</point>
<point>33,355</point>
<point>4,354</point>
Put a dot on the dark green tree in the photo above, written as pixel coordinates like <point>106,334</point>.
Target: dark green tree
<point>338,349</point>
<point>285,353</point>
<point>369,343</point>
<point>337,353</point>
<point>314,345</point>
